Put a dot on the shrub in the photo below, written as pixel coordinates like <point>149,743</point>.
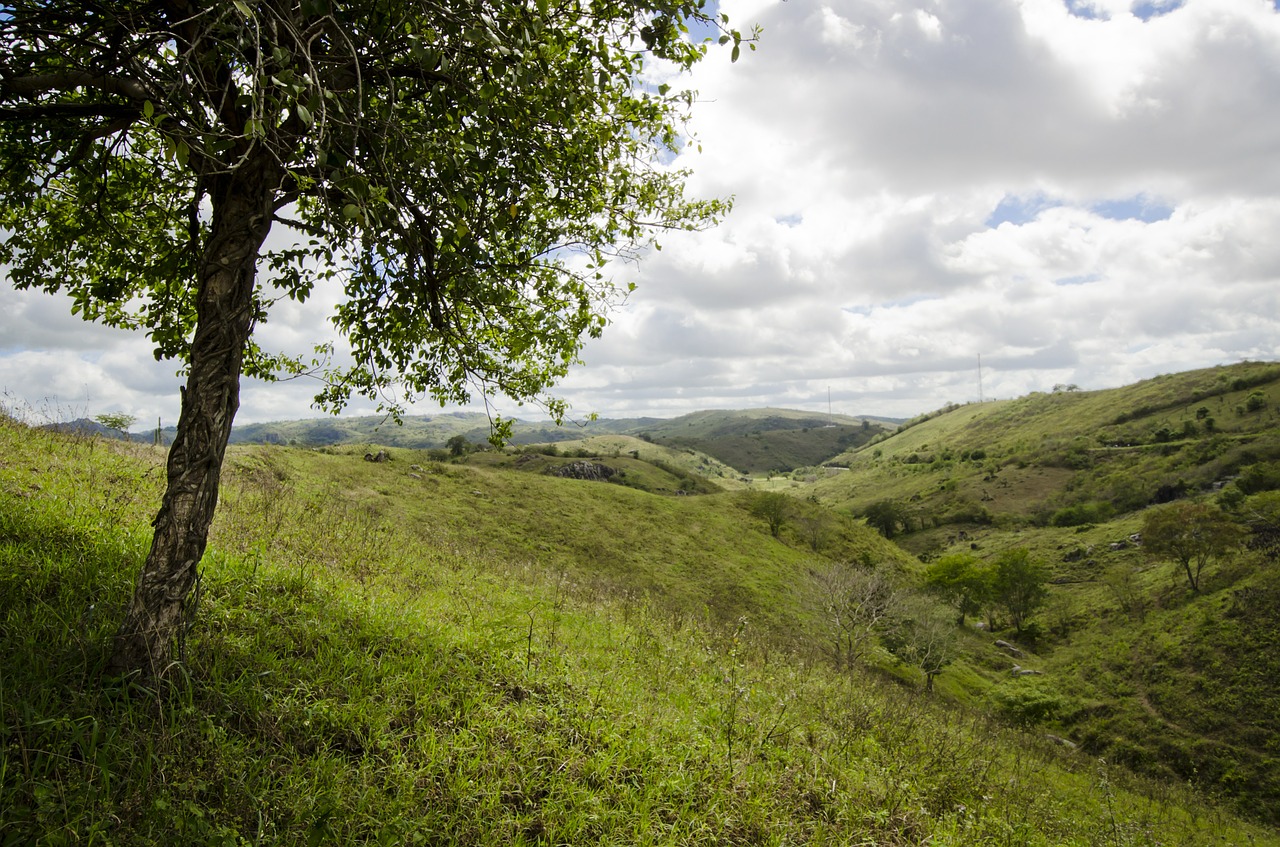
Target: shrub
<point>1031,701</point>
<point>1259,477</point>
<point>1083,513</point>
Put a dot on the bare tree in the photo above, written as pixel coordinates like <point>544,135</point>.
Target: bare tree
<point>852,604</point>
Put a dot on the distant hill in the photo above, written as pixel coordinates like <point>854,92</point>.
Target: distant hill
<point>751,441</point>
<point>772,443</point>
<point>1029,459</point>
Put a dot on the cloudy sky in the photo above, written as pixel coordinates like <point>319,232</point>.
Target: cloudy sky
<point>1085,193</point>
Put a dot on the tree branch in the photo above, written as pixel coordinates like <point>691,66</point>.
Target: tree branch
<point>28,86</point>
<point>53,111</point>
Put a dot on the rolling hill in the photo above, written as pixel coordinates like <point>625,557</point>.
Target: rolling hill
<point>517,647</point>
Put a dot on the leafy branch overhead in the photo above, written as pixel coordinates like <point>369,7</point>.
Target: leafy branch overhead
<point>443,163</point>
<point>455,177</point>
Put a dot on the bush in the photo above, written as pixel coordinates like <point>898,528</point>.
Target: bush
<point>1031,701</point>
<point>1083,513</point>
<point>1260,477</point>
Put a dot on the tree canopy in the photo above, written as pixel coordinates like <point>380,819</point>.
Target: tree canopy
<point>455,175</point>
<point>1192,534</point>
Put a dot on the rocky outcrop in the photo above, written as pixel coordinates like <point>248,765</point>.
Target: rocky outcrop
<point>585,470</point>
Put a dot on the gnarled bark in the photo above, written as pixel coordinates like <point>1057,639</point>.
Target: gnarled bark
<point>242,209</point>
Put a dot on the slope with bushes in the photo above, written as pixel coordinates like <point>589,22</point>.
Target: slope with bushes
<point>475,656</point>
<point>1126,658</point>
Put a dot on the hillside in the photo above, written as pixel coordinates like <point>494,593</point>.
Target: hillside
<point>752,440</point>
<point>1026,460</point>
<point>418,651</point>
<point>1132,664</point>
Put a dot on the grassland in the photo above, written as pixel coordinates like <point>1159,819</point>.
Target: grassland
<point>469,655</point>
<point>1134,666</point>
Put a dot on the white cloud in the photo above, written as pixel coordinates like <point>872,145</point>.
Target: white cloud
<point>868,144</point>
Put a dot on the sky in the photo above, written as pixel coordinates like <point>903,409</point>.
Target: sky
<point>935,201</point>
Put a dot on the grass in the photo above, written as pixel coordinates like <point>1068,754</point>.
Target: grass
<point>383,659</point>
<point>1137,668</point>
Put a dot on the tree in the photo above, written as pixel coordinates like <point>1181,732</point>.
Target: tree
<point>772,507</point>
<point>921,635</point>
<point>1192,534</point>
<point>852,604</point>
<point>458,445</point>
<point>886,516</point>
<point>119,421</point>
<point>1018,585</point>
<point>456,175</point>
<point>962,581</point>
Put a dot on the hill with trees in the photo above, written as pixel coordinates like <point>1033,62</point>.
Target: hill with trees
<point>609,636</point>
<point>431,649</point>
<point>1153,510</point>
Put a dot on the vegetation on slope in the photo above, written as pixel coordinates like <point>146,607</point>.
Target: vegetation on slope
<point>383,659</point>
<point>1136,658</point>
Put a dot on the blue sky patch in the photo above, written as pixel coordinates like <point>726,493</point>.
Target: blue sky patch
<point>1019,210</point>
<point>1084,9</point>
<point>1146,10</point>
<point>1140,207</point>
<point>1082,279</point>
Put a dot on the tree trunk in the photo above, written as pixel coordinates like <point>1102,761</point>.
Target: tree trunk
<point>162,604</point>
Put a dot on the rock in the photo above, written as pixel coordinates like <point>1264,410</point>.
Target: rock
<point>380,456</point>
<point>584,470</point>
<point>1010,648</point>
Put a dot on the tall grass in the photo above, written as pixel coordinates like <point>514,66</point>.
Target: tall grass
<point>347,682</point>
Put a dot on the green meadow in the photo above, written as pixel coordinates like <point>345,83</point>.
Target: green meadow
<point>474,650</point>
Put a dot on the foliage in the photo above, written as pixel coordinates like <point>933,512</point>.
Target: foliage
<point>962,581</point>
<point>445,156</point>
<point>1191,534</point>
<point>457,177</point>
<point>1082,513</point>
<point>1018,585</point>
<point>119,421</point>
<point>773,508</point>
<point>886,516</point>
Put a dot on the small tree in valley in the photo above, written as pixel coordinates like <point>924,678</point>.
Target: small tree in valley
<point>773,507</point>
<point>1019,585</point>
<point>886,516</point>
<point>1191,534</point>
<point>961,580</point>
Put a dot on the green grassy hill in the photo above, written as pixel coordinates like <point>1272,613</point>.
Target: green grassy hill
<point>1135,666</point>
<point>761,441</point>
<point>1027,460</point>
<point>750,440</point>
<point>454,654</point>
